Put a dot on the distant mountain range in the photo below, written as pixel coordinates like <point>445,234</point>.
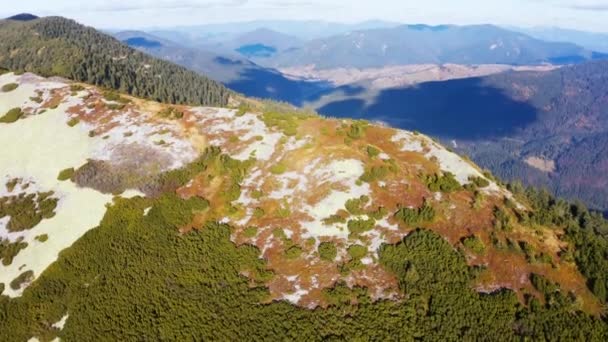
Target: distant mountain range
<point>305,30</point>
<point>421,44</point>
<point>256,45</point>
<point>233,70</point>
<point>590,40</point>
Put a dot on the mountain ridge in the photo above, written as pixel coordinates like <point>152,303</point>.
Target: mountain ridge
<point>420,44</point>
<point>62,47</point>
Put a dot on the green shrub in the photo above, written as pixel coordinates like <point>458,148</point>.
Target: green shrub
<point>9,87</point>
<point>171,113</point>
<point>278,169</point>
<point>293,252</point>
<point>36,99</point>
<point>73,122</point>
<point>357,130</point>
<point>258,212</point>
<point>23,278</point>
<point>27,210</point>
<point>479,182</point>
<point>115,106</point>
<point>42,238</point>
<point>361,226</point>
<point>12,184</point>
<point>76,87</point>
<point>287,123</point>
<point>328,251</point>
<point>474,244</point>
<point>250,232</point>
<point>113,96</point>
<point>372,152</point>
<point>333,219</point>
<point>414,216</point>
<point>11,116</point>
<point>243,109</point>
<point>355,205</point>
<point>9,250</point>
<point>357,251</point>
<point>378,214</point>
<point>376,173</point>
<point>66,174</point>
<point>502,220</point>
<point>443,183</point>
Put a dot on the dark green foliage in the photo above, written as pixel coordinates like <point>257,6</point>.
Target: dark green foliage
<point>171,113</point>
<point>27,210</point>
<point>278,169</point>
<point>250,232</point>
<point>357,251</point>
<point>11,116</point>
<point>9,250</point>
<point>42,238</point>
<point>285,122</point>
<point>9,87</point>
<point>333,219</point>
<point>474,244</point>
<point>327,251</point>
<point>355,205</point>
<point>66,174</point>
<point>378,214</point>
<point>357,130</point>
<point>502,220</point>
<point>24,277</point>
<point>359,226</point>
<point>243,109</point>
<point>76,87</point>
<point>479,182</point>
<point>376,173</point>
<point>372,152</point>
<point>136,278</point>
<point>37,99</point>
<point>113,96</point>
<point>83,54</point>
<point>293,252</point>
<point>12,183</point>
<point>591,254</point>
<point>73,122</point>
<point>415,216</point>
<point>442,183</point>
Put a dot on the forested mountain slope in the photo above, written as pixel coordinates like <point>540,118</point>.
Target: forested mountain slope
<point>127,219</point>
<point>61,47</point>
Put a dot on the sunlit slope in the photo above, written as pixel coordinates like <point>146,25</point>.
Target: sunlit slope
<point>163,203</point>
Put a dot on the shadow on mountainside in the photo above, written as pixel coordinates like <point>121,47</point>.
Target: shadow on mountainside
<point>267,83</point>
<point>465,109</point>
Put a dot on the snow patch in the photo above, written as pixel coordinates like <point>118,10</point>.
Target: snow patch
<point>61,323</point>
<point>344,172</point>
<point>42,146</point>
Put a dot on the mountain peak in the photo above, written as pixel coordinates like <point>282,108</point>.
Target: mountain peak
<point>23,17</point>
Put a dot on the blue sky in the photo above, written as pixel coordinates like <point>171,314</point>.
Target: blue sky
<point>591,15</point>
